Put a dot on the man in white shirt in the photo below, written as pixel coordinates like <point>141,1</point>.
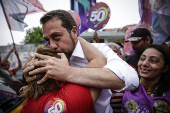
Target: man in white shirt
<point>61,33</point>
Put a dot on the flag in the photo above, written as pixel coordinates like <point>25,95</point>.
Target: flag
<point>82,7</point>
<point>155,15</point>
<point>16,10</point>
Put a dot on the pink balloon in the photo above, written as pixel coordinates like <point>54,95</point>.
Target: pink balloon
<point>76,17</point>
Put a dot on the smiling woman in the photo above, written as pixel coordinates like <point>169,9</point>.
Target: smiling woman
<point>151,65</point>
<point>154,88</point>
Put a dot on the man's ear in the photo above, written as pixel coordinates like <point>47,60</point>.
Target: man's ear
<point>166,68</point>
<point>74,31</point>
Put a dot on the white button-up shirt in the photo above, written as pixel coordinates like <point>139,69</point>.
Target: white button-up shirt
<point>115,64</point>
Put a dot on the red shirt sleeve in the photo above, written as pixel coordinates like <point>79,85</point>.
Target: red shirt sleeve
<point>13,71</point>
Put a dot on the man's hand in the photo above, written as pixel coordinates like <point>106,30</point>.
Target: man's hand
<point>28,68</point>
<point>13,48</point>
<point>96,37</point>
<point>16,52</point>
<point>29,59</point>
<point>21,90</point>
<point>54,68</point>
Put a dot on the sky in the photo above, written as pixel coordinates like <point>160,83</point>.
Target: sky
<point>123,12</point>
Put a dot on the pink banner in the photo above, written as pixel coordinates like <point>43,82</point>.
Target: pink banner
<point>155,15</point>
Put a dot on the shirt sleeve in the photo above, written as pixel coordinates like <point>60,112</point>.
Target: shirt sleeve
<point>13,71</point>
<point>123,70</point>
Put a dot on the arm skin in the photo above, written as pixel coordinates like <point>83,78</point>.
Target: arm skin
<point>19,62</point>
<point>29,59</point>
<point>94,56</point>
<point>96,60</point>
<point>7,56</point>
<point>93,77</point>
<point>28,67</point>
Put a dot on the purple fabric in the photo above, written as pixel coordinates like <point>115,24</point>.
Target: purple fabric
<point>156,15</point>
<point>83,8</point>
<point>140,102</point>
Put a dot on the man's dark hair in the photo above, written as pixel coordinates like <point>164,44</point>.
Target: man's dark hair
<point>67,20</point>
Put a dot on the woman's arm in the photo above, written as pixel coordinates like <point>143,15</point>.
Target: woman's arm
<point>94,56</point>
<point>7,56</point>
<point>19,62</point>
<point>96,59</point>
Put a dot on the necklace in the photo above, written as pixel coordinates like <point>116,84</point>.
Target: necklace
<point>151,93</point>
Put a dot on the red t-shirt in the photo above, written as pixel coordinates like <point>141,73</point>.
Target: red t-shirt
<point>12,71</point>
<point>71,98</point>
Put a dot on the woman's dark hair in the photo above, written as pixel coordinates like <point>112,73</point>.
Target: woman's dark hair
<point>36,90</point>
<point>164,82</point>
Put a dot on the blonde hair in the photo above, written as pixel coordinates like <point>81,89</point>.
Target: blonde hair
<point>36,90</point>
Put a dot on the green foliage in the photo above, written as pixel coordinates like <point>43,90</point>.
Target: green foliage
<point>34,36</point>
<point>121,41</point>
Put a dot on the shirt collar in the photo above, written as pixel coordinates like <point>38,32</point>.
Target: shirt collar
<point>78,51</point>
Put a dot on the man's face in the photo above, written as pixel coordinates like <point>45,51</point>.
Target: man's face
<point>139,46</point>
<point>58,37</point>
<point>6,66</point>
<point>115,49</point>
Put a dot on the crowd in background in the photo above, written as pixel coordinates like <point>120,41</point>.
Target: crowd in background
<point>151,63</point>
<point>141,40</point>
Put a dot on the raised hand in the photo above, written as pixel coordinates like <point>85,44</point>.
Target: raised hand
<point>96,37</point>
